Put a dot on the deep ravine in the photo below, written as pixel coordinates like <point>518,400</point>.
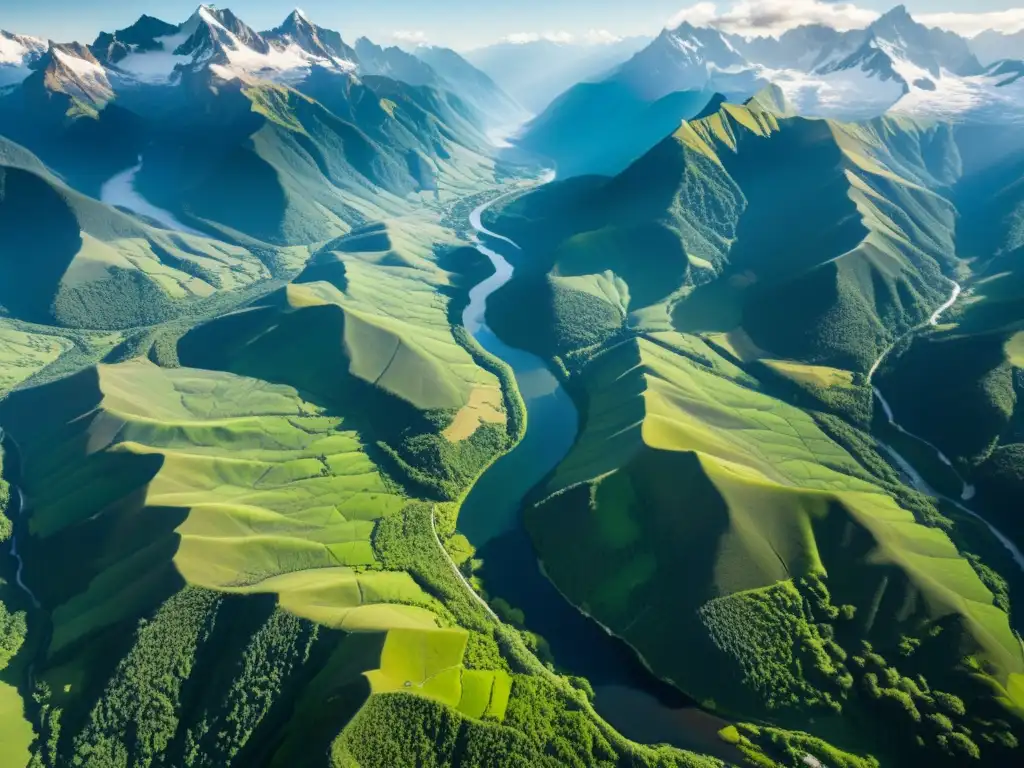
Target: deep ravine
<point>922,485</point>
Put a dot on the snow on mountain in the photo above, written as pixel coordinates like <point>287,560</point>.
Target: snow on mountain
<point>684,58</point>
<point>323,46</point>
<point>17,54</point>
<point>217,39</point>
<point>849,94</point>
<point>932,49</point>
<point>72,69</point>
<point>994,96</point>
<point>896,63</point>
<point>803,48</point>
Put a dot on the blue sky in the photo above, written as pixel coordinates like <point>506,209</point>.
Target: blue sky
<point>469,23</point>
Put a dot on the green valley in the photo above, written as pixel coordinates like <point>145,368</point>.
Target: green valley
<point>352,418</point>
<point>716,311</point>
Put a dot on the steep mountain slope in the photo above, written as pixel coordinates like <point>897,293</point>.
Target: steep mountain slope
<point>603,127</point>
<point>72,72</point>
<point>804,47</point>
<point>473,86</point>
<point>710,201</point>
<point>894,65</point>
<point>395,63</point>
<point>64,111</point>
<point>900,64</point>
<point>895,62</point>
<point>536,72</point>
<point>154,52</point>
<point>976,353</point>
<point>258,514</point>
<point>232,136</point>
<point>750,261</point>
<point>323,44</point>
<point>70,260</point>
<point>285,168</point>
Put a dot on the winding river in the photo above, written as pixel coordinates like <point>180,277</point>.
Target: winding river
<point>119,190</point>
<point>628,696</point>
<point>915,478</point>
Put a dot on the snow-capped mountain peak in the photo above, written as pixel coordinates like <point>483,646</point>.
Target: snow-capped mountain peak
<point>683,58</point>
<point>214,39</point>
<point>72,69</point>
<point>218,36</point>
<point>316,41</point>
<point>932,49</point>
<point>18,53</point>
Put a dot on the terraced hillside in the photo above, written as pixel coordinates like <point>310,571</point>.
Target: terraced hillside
<point>716,310</point>
<point>231,537</point>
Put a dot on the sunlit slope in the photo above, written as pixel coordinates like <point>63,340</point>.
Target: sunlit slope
<point>367,330</point>
<point>232,501</point>
<point>231,484</point>
<point>724,518</point>
<point>284,168</point>
<point>800,233</point>
<point>71,260</point>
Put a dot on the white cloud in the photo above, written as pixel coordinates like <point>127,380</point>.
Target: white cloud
<point>970,24</point>
<point>521,38</point>
<point>601,37</point>
<point>410,36</point>
<point>700,15</point>
<point>773,17</point>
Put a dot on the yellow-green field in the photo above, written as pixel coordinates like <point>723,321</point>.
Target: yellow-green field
<point>255,470</point>
<point>16,733</point>
<point>1015,349</point>
<point>23,353</point>
<point>678,458</point>
<point>815,375</point>
<point>430,664</point>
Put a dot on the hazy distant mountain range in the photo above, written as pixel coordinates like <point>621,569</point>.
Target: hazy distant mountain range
<point>894,66</point>
<point>536,72</point>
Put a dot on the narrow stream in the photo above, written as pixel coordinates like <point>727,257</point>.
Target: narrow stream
<point>15,512</point>
<point>922,485</point>
<point>628,696</point>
